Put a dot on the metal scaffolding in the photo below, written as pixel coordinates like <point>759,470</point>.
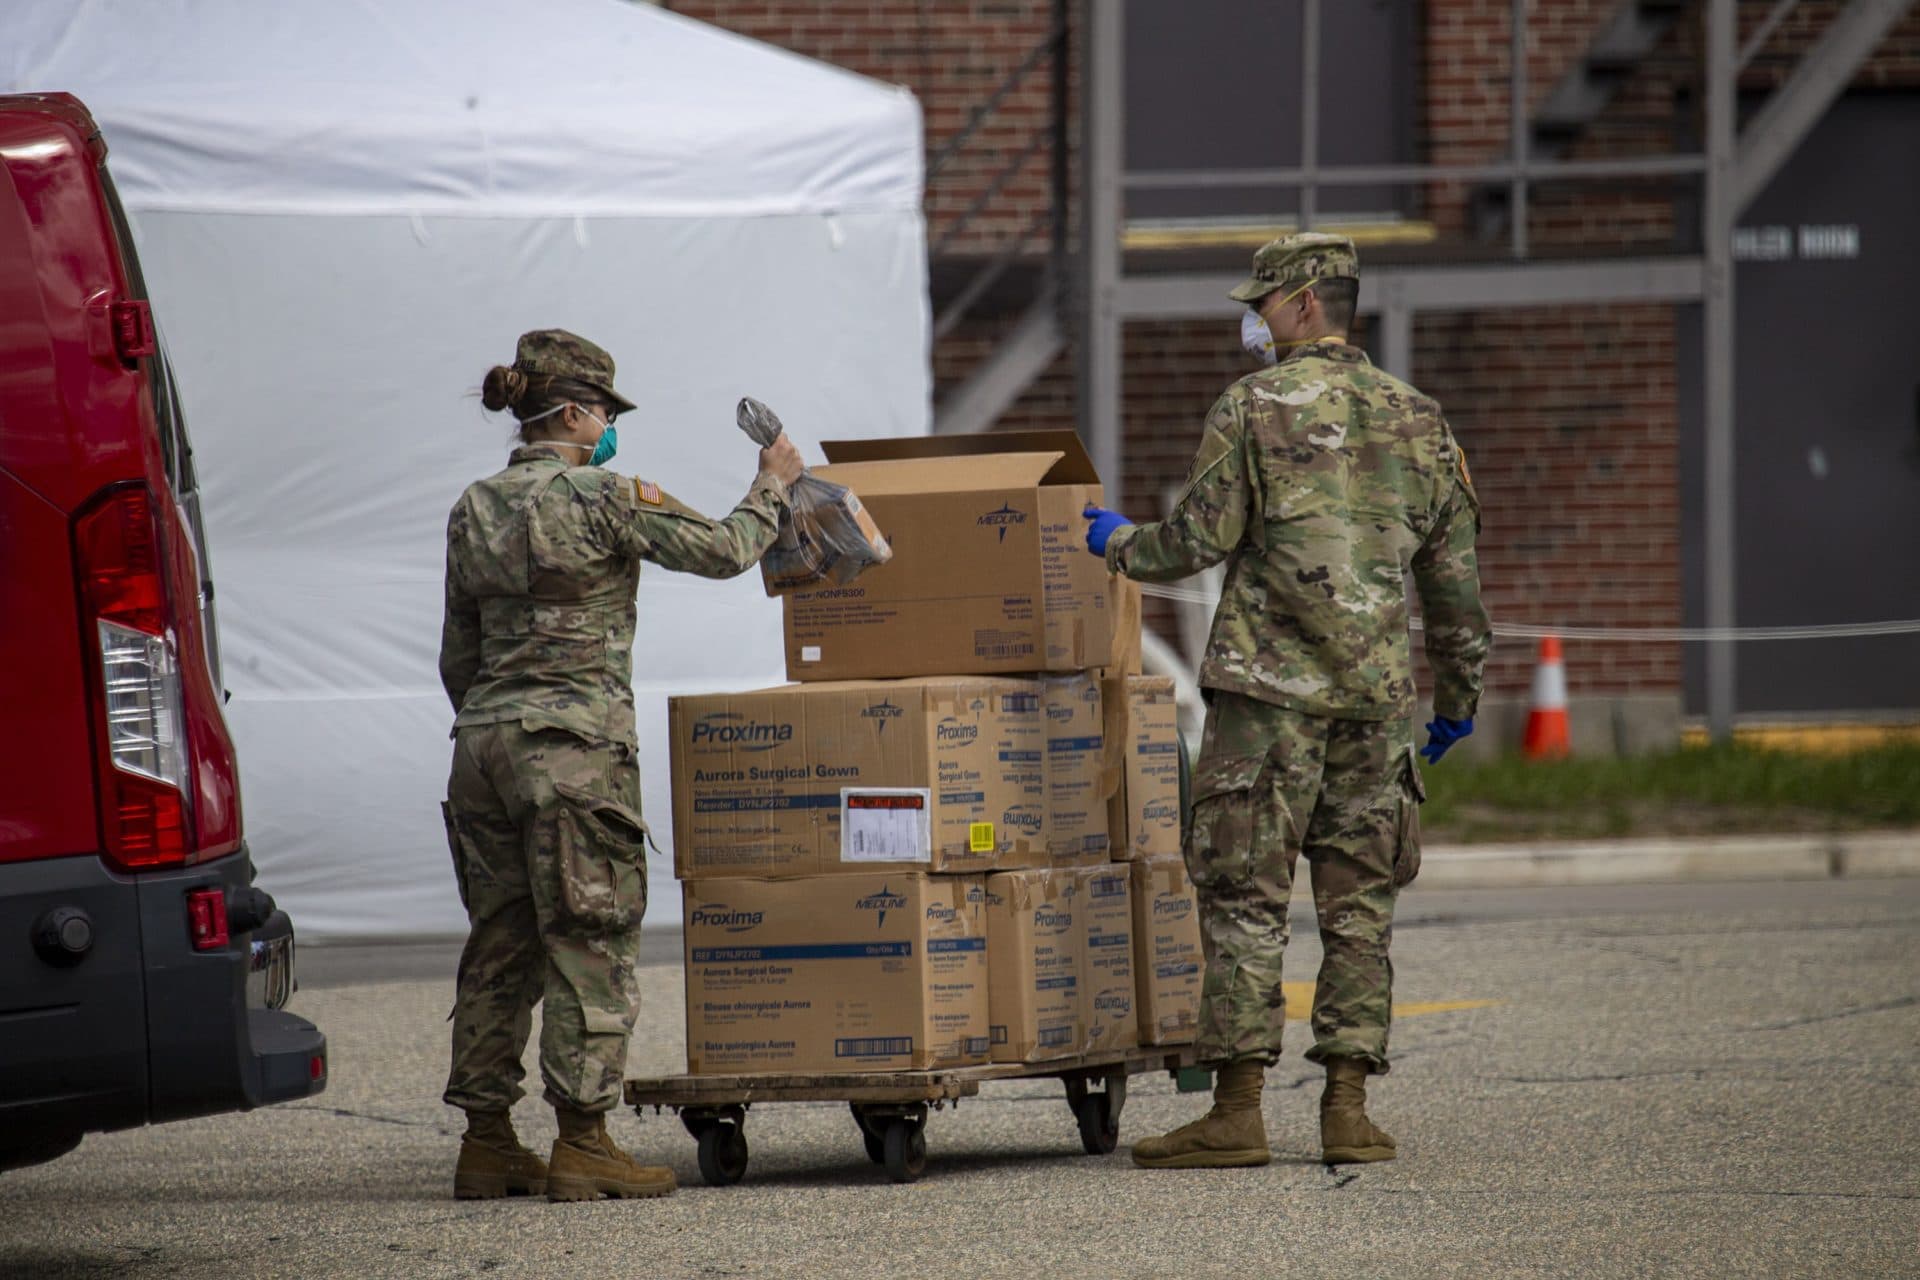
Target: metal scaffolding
<point>1734,166</point>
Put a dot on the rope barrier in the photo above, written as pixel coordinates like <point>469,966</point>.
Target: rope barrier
<point>1524,631</point>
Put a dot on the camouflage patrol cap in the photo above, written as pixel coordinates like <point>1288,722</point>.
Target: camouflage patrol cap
<point>1296,259</point>
<point>555,353</point>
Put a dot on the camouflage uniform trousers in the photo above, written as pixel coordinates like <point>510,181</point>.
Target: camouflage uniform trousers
<point>1270,784</point>
<point>549,852</point>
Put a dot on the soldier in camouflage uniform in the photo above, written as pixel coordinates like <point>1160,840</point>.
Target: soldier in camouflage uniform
<point>543,805</point>
<point>1322,482</point>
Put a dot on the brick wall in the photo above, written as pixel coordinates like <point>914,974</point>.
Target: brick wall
<point>1570,421</point>
<point>953,54</point>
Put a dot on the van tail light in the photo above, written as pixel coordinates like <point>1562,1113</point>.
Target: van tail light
<point>207,919</point>
<point>145,817</point>
<point>133,335</point>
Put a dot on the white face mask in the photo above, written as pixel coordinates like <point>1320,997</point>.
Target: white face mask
<point>1257,338</point>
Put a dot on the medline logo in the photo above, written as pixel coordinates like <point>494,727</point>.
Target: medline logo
<point>1002,519</point>
<point>721,916</point>
<point>952,730</point>
<point>882,712</point>
<point>731,729</point>
<point>884,901</point>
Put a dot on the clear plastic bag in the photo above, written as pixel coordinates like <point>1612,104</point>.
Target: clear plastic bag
<point>827,536</point>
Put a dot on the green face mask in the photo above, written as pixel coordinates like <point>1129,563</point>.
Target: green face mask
<point>604,450</point>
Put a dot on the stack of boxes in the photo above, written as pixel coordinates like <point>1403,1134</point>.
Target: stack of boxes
<point>956,838</point>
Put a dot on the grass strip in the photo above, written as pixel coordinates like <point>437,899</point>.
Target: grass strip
<point>1709,790</point>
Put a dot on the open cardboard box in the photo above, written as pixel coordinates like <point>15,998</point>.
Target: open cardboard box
<point>990,573</point>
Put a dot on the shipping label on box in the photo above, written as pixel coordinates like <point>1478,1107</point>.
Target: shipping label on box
<point>942,775</point>
<point>1107,982</point>
<point>1145,813</point>
<point>863,972</point>
<point>989,571</point>
<point>1035,954</point>
<point>1081,772</point>
<point>1168,961</point>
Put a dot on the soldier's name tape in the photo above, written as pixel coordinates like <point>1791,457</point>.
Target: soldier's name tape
<point>1524,631</point>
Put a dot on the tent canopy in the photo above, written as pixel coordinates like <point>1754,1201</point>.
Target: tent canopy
<point>347,210</point>
<point>501,107</point>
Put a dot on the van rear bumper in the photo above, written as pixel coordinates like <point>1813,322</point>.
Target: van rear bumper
<point>141,1027</point>
<point>288,1057</point>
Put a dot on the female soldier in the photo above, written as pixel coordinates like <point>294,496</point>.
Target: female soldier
<point>543,806</point>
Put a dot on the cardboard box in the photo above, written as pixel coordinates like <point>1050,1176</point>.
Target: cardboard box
<point>1034,957</point>
<point>1144,815</point>
<point>864,972</point>
<point>1107,982</point>
<point>990,572</point>
<point>1126,657</point>
<point>1168,961</point>
<point>803,780</point>
<point>1082,773</point>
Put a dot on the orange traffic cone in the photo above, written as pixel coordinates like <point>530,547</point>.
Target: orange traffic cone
<point>1548,737</point>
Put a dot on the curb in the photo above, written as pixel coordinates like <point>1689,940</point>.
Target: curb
<point>1669,861</point>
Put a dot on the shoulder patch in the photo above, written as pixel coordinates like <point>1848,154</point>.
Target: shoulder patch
<point>649,493</point>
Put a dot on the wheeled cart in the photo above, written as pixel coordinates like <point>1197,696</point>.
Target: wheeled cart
<point>891,1106</point>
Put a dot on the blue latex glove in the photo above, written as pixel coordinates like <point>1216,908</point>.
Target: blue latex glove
<point>1101,528</point>
<point>1443,733</point>
<point>1104,523</point>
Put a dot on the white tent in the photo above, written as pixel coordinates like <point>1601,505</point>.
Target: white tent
<point>347,210</point>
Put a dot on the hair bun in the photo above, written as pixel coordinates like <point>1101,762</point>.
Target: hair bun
<point>503,388</point>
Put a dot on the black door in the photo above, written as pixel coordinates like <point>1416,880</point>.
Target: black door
<point>1826,418</point>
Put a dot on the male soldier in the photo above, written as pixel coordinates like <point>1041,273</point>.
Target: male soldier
<point>536,653</point>
<point>1321,481</point>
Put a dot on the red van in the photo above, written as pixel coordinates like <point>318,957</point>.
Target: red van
<point>142,976</point>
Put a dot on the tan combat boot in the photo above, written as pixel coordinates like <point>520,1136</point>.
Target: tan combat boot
<point>1346,1135</point>
<point>493,1163</point>
<point>587,1165</point>
<point>1230,1136</point>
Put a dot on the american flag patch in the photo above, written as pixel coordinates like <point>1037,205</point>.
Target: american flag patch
<point>647,493</point>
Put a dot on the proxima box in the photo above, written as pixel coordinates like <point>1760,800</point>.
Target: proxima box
<point>1144,814</point>
<point>760,780</point>
<point>1082,773</point>
<point>1035,1006</point>
<point>1167,955</point>
<point>990,571</point>
<point>1108,1009</point>
<point>881,971</point>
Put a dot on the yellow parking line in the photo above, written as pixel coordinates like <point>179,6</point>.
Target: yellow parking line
<point>1300,1003</point>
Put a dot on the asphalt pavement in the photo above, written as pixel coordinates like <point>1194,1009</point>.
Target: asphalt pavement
<point>1706,1079</point>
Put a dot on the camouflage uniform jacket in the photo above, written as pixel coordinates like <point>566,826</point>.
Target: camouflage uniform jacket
<point>543,560</point>
<point>1322,481</point>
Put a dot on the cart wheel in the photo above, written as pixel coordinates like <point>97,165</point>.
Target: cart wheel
<point>723,1153</point>
<point>1099,1123</point>
<point>695,1124</point>
<point>905,1150</point>
<point>875,1143</point>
